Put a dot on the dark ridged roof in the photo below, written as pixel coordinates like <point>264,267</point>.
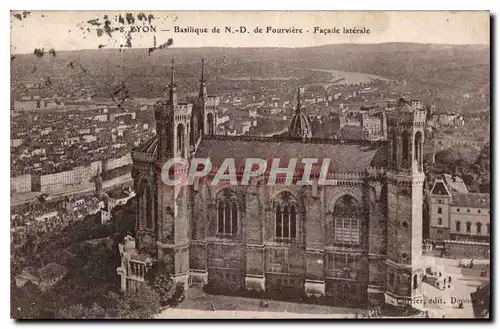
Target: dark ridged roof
<point>149,146</point>
<point>348,157</point>
<point>300,125</point>
<point>473,200</point>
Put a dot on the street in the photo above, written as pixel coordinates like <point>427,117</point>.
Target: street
<point>445,303</point>
<point>198,304</point>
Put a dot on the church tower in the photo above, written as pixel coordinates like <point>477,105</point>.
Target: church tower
<point>204,120</point>
<point>197,121</point>
<point>173,121</point>
<point>405,179</point>
<point>171,230</point>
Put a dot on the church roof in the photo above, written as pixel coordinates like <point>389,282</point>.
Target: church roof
<point>345,157</point>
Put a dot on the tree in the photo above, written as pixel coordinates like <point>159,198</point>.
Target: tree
<point>80,312</point>
<point>26,302</point>
<point>165,287</point>
<point>160,280</point>
<point>141,304</point>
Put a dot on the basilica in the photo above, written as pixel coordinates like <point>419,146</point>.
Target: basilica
<point>354,241</point>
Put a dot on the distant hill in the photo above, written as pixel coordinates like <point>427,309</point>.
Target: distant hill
<point>445,72</point>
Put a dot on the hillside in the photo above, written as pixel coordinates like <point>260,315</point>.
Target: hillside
<point>431,70</point>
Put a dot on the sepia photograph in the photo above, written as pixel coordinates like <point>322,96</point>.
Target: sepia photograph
<point>250,165</point>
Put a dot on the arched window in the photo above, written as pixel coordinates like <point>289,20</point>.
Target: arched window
<point>347,213</point>
<point>210,124</point>
<point>285,219</point>
<point>394,149</point>
<point>181,139</point>
<point>467,227</point>
<point>278,222</point>
<point>457,226</point>
<point>406,149</point>
<point>293,221</point>
<point>479,227</point>
<point>145,204</point>
<point>418,147</point>
<point>234,218</point>
<point>440,221</point>
<point>193,132</point>
<point>227,214</point>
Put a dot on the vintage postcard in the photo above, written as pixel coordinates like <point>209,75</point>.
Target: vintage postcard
<point>250,164</point>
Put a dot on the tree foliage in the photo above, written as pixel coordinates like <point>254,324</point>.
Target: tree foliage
<point>141,304</point>
<point>81,312</point>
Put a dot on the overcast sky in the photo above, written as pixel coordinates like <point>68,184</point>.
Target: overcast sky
<point>67,30</point>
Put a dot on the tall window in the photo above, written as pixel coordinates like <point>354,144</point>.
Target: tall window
<point>394,149</point>
<point>488,228</point>
<point>467,227</point>
<point>285,221</point>
<point>180,139</point>
<point>440,210</point>
<point>479,226</point>
<point>406,149</point>
<point>457,226</point>
<point>346,217</point>
<point>210,124</point>
<point>227,214</point>
<point>418,148</point>
<point>440,221</point>
<point>145,204</point>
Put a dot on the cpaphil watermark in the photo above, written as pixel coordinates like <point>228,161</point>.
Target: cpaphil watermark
<point>307,171</point>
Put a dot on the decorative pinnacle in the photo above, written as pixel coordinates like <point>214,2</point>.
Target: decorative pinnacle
<point>298,100</point>
<point>172,83</point>
<point>202,69</point>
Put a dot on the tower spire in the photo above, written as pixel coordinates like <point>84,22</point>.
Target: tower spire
<point>173,92</point>
<point>172,82</point>
<point>297,110</point>
<point>203,88</point>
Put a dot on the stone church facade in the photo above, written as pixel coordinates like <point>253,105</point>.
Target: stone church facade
<point>356,240</point>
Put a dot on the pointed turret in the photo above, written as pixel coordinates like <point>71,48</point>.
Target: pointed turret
<point>173,86</point>
<point>300,126</point>
<point>203,87</point>
<point>297,109</point>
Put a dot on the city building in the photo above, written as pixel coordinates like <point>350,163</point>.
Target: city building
<point>455,213</point>
<point>44,277</point>
<point>356,240</point>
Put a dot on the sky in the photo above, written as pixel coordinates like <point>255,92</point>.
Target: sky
<point>70,30</point>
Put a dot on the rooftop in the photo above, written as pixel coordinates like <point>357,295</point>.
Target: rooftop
<point>473,200</point>
<point>356,155</point>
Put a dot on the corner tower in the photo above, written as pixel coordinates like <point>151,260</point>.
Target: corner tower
<point>171,230</point>
<point>405,179</point>
<point>173,123</point>
<point>204,119</point>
